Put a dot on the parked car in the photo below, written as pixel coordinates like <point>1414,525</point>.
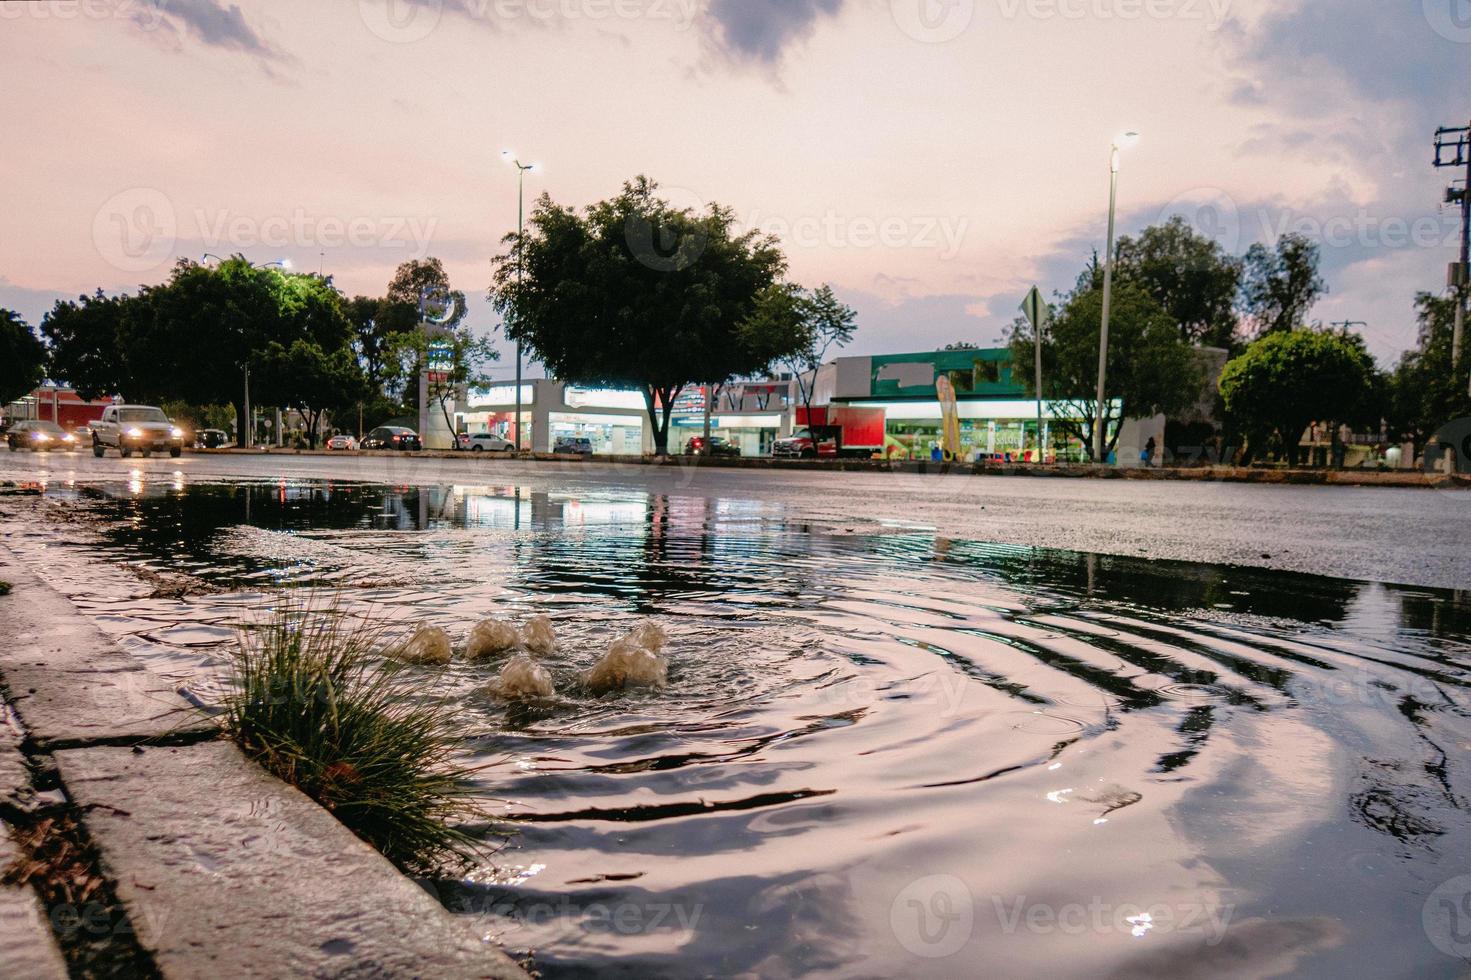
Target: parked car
<point>39,436</point>
<point>393,437</point>
<point>211,439</point>
<point>136,428</point>
<point>486,442</point>
<point>716,446</point>
<point>342,443</point>
<point>573,445</point>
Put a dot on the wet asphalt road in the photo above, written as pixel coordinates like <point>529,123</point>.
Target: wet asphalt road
<point>1406,536</point>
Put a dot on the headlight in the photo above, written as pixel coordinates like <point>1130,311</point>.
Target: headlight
<point>42,437</point>
<point>69,438</point>
<point>136,432</point>
<point>176,432</point>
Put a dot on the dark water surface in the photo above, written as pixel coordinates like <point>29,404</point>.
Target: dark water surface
<point>880,754</point>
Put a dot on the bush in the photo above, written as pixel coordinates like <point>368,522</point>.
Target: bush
<point>314,703</point>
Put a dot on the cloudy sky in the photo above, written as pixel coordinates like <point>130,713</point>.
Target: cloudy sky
<point>930,158</point>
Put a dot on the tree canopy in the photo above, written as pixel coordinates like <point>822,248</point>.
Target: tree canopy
<point>22,358</point>
<point>634,292</point>
<point>1425,392</point>
<point>1191,276</point>
<point>1287,380</point>
<point>1280,285</point>
<point>1150,367</point>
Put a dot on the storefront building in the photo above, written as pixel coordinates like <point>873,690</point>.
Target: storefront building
<point>614,421</point>
<point>997,420</point>
<point>750,415</point>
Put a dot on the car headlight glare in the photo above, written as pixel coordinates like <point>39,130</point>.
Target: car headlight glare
<point>136,432</point>
<point>176,432</point>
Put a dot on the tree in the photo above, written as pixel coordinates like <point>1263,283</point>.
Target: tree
<point>22,358</point>
<point>309,379</point>
<point>1280,287</point>
<point>1191,276</point>
<point>456,360</point>
<point>801,328</point>
<point>633,292</point>
<point>1425,391</point>
<point>1286,380</point>
<point>86,343</point>
<point>376,322</point>
<point>417,279</point>
<point>1151,370</point>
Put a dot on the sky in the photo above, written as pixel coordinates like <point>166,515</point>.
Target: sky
<point>931,159</point>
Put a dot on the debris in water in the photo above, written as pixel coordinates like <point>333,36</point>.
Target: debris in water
<point>522,679</point>
<point>430,647</point>
<point>538,637</point>
<point>490,638</point>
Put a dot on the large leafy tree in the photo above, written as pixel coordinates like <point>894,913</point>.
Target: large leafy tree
<point>22,357</point>
<point>310,379</point>
<point>1286,380</point>
<point>1190,275</point>
<point>1280,285</point>
<point>1151,369</point>
<point>86,338</point>
<point>634,292</point>
<point>1425,390</point>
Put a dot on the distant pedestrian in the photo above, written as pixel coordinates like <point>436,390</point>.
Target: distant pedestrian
<point>1148,455</point>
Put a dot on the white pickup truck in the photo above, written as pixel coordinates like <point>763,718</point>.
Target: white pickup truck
<point>136,428</point>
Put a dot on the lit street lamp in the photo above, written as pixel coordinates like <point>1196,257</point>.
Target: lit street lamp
<point>1100,424</point>
<point>521,169</point>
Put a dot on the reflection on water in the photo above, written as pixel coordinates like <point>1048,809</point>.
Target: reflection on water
<point>880,754</point>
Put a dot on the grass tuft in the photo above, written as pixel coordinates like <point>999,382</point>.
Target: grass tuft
<point>4,587</point>
<point>313,702</point>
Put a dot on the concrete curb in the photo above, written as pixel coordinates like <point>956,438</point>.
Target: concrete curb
<point>222,869</point>
<point>1221,474</point>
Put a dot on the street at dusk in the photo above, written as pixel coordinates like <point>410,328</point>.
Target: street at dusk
<point>769,489</point>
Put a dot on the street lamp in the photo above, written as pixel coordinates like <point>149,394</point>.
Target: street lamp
<point>521,169</point>
<point>1100,423</point>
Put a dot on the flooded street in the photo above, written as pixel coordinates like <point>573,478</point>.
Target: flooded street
<point>886,749</point>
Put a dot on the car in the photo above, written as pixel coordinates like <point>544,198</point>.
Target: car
<point>393,437</point>
<point>486,442</point>
<point>342,443</point>
<point>716,446</point>
<point>39,436</point>
<point>142,429</point>
<point>573,445</point>
<point>211,439</point>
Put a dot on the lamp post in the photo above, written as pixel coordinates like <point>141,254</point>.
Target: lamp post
<point>1100,422</point>
<point>521,169</point>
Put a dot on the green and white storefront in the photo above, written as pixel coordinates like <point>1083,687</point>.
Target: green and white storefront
<point>997,419</point>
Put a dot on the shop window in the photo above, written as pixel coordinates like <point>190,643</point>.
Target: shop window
<point>987,372</point>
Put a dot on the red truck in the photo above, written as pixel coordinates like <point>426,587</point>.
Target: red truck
<point>836,431</point>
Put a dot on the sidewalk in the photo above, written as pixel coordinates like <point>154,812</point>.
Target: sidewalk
<point>210,867</point>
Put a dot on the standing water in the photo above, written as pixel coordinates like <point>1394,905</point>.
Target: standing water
<point>879,753</point>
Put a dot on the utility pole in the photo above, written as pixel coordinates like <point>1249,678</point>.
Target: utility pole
<point>1453,149</point>
<point>521,169</point>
